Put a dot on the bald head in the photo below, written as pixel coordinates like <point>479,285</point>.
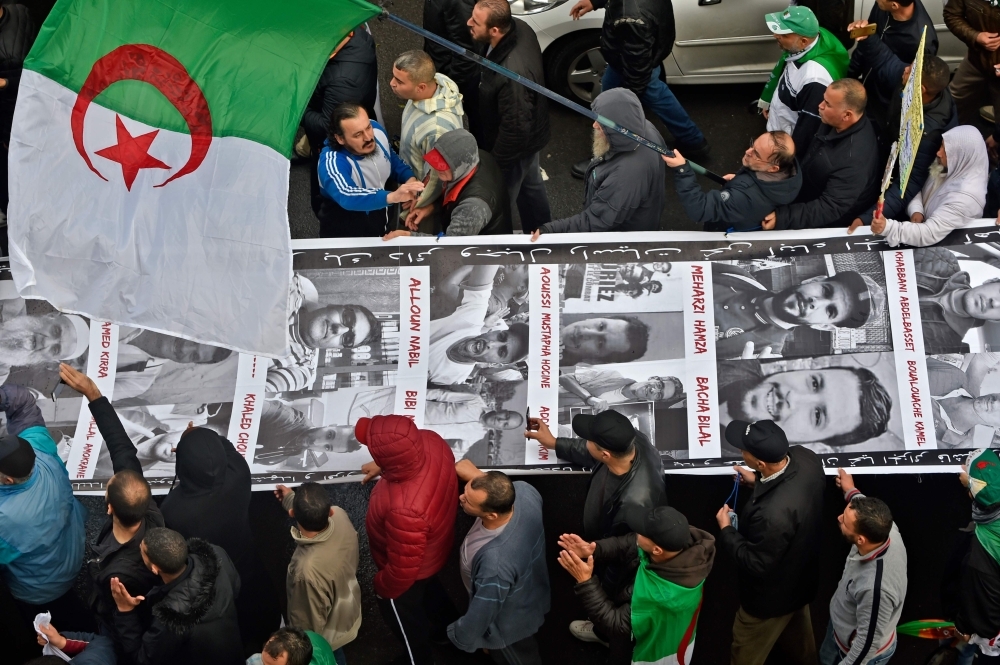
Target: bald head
<point>128,497</point>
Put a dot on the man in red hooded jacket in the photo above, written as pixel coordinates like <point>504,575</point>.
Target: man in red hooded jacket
<point>411,527</point>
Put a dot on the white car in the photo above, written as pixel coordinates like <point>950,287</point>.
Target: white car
<point>718,41</point>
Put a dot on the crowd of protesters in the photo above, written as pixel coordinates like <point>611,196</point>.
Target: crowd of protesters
<point>467,160</point>
<point>180,582</point>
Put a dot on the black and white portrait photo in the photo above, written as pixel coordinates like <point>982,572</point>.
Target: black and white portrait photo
<point>965,398</point>
<point>480,422</point>
<point>481,334</point>
<point>831,404</point>
<point>341,320</point>
<point>806,306</point>
<point>620,287</point>
<point>596,339</point>
<point>959,294</point>
<point>650,394</point>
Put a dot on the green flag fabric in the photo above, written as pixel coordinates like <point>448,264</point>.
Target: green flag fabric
<point>664,618</point>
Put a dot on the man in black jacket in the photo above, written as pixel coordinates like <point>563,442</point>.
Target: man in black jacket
<point>776,549</point>
<point>841,172</point>
<point>514,121</point>
<point>350,75</point>
<point>627,480</point>
<point>770,177</point>
<point>131,513</point>
<point>450,19</point>
<point>676,552</point>
<point>900,24</point>
<point>194,612</point>
<point>17,34</point>
<point>635,39</point>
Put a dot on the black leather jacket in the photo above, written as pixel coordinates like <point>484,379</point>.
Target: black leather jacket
<point>637,35</point>
<point>514,120</point>
<point>641,489</point>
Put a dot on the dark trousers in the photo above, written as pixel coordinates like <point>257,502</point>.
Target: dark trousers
<point>524,652</point>
<point>419,616</point>
<point>619,647</point>
<point>336,222</point>
<point>791,634</point>
<point>527,191</point>
<point>68,613</point>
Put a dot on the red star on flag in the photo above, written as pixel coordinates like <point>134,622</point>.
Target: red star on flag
<point>132,152</point>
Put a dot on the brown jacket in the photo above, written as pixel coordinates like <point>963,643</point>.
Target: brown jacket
<point>323,591</point>
<point>966,19</point>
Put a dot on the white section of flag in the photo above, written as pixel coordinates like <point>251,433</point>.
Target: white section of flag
<point>207,257</point>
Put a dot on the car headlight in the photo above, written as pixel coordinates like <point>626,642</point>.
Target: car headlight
<point>522,7</point>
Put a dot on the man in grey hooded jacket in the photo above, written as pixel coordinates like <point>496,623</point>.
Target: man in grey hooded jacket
<point>625,181</point>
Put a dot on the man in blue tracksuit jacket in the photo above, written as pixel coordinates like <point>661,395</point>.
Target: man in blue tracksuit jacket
<point>356,165</point>
<point>42,532</point>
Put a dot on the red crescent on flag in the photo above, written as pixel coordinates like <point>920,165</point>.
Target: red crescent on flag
<point>142,62</point>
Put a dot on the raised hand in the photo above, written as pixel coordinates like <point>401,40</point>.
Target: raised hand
<point>79,382</point>
<point>124,600</point>
<point>580,570</point>
<point>577,545</point>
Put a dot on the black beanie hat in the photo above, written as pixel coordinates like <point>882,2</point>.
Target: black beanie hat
<point>17,457</point>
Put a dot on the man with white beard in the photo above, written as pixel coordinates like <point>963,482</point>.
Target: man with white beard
<point>624,180</point>
<point>27,339</point>
<point>954,192</point>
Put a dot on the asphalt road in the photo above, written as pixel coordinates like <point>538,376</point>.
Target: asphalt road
<point>720,111</point>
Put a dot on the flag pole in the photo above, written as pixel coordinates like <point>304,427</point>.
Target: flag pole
<point>545,92</point>
<point>887,177</point>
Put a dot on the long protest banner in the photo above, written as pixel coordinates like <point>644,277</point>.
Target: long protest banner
<point>877,358</point>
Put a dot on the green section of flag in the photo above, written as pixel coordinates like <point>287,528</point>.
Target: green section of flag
<point>257,62</point>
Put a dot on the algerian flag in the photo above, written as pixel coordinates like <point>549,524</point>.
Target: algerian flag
<point>149,160</point>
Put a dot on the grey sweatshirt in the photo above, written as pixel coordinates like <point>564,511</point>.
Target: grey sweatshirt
<point>865,608</point>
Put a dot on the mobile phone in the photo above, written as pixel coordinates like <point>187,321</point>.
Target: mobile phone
<point>864,31</point>
<point>734,520</point>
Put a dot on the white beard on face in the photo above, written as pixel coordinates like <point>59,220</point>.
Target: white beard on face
<point>601,144</point>
<point>16,341</point>
<point>936,169</point>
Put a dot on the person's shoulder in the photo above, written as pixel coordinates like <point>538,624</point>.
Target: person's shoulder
<point>528,491</point>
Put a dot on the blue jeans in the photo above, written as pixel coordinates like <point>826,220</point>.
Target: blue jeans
<point>339,656</point>
<point>660,98</point>
<point>830,653</point>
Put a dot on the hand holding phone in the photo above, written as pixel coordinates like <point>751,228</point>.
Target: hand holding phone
<point>859,31</point>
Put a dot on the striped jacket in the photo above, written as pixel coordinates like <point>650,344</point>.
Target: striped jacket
<point>865,609</point>
<point>424,122</point>
<point>358,183</point>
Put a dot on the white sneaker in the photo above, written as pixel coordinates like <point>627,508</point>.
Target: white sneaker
<point>584,631</point>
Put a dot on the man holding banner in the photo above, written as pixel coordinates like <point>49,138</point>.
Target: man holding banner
<point>954,192</point>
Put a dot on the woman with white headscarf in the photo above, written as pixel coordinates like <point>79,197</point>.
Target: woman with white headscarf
<point>955,191</point>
